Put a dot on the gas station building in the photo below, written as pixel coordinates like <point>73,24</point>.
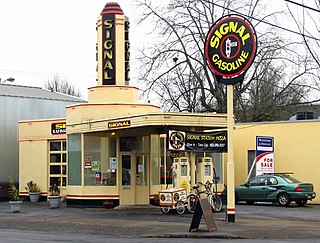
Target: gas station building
<point>116,148</point>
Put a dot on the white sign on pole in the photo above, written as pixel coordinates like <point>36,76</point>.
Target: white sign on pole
<point>264,155</point>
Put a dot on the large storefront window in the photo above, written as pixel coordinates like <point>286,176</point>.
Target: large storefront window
<point>58,163</point>
<point>167,161</point>
<point>167,157</point>
<point>100,164</point>
<point>134,144</point>
<point>155,161</point>
<point>74,160</point>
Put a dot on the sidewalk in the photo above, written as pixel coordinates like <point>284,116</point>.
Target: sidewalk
<point>148,221</point>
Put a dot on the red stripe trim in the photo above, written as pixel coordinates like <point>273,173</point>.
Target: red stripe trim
<point>43,139</point>
<point>92,196</point>
<point>113,11</point>
<point>231,209</point>
<point>27,193</point>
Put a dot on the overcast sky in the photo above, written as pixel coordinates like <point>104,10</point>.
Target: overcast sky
<point>40,38</point>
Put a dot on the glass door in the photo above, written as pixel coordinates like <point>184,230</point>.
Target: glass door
<point>142,179</point>
<point>127,183</point>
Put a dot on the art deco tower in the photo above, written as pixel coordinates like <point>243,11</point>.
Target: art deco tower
<point>113,48</point>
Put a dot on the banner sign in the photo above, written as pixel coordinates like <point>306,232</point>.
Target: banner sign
<point>108,48</point>
<point>119,124</point>
<point>230,48</point>
<point>214,142</point>
<point>58,128</point>
<point>264,155</point>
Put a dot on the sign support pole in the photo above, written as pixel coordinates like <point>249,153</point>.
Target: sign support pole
<point>231,210</point>
<point>223,50</point>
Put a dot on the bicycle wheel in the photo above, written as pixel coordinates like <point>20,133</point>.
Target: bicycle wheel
<point>180,207</point>
<point>215,202</point>
<point>191,202</point>
<point>165,210</point>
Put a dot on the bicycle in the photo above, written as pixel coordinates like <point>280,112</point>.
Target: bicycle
<point>213,198</point>
<point>193,198</point>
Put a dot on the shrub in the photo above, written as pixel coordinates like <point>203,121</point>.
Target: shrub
<point>54,190</point>
<point>32,187</point>
<point>13,190</point>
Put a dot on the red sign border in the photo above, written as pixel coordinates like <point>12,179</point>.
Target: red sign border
<point>253,34</point>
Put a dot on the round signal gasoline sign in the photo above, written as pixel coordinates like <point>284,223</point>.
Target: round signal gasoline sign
<point>230,48</point>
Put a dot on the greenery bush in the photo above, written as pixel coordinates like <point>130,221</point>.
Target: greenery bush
<point>54,190</point>
<point>32,187</point>
<point>13,190</point>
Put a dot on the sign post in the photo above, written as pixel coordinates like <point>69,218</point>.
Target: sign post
<point>230,49</point>
<point>231,209</point>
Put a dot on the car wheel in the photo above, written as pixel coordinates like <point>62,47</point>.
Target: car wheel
<point>284,199</point>
<point>249,202</point>
<point>301,203</point>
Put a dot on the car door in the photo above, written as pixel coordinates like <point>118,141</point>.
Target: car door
<point>272,189</point>
<point>255,190</point>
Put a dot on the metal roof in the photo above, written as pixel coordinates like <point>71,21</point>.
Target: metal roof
<point>35,92</point>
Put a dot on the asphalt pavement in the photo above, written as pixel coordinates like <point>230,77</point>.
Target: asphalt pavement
<point>262,222</point>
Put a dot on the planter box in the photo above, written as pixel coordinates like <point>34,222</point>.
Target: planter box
<point>34,196</point>
<point>15,206</point>
<point>55,201</point>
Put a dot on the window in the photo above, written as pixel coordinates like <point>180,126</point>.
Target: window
<point>167,158</point>
<point>273,181</point>
<point>128,143</point>
<point>58,163</point>
<point>74,159</point>
<point>100,164</point>
<point>258,181</point>
<point>251,160</point>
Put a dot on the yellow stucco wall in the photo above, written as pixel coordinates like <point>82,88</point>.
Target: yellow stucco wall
<point>108,102</point>
<point>33,152</point>
<point>296,149</point>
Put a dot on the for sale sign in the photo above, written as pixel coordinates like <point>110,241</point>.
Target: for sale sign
<point>264,155</point>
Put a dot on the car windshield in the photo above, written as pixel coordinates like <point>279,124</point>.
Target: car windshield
<point>289,179</point>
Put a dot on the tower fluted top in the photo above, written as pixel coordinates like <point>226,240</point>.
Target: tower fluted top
<point>112,8</point>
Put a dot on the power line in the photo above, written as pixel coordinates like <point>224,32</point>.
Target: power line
<point>304,6</point>
<point>265,22</point>
<point>49,74</point>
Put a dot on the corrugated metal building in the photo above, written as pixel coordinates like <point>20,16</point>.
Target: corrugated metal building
<point>24,103</point>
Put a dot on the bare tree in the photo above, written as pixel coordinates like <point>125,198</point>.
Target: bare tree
<point>60,85</point>
<point>307,21</point>
<point>174,68</point>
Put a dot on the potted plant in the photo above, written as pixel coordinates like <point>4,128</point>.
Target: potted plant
<point>54,196</point>
<point>15,202</point>
<point>34,191</point>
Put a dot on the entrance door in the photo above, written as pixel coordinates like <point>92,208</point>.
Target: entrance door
<point>127,182</point>
<point>142,179</point>
<point>134,179</point>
